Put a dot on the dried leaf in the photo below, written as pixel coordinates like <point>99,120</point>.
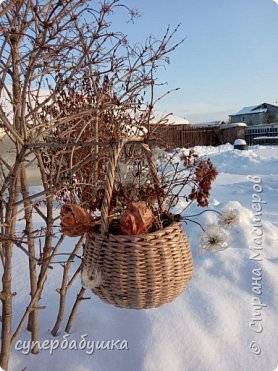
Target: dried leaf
<point>136,219</point>
<point>75,221</point>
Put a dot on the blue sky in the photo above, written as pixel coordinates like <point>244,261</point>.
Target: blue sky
<point>228,60</point>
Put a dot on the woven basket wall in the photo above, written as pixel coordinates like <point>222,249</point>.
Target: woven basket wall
<point>142,271</point>
<point>137,271</point>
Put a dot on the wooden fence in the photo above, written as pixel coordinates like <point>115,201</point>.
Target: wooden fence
<point>179,136</point>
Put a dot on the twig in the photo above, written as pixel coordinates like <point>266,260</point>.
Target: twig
<point>48,192</point>
<point>202,212</point>
<point>74,277</point>
<point>64,287</point>
<point>79,298</point>
<point>193,221</point>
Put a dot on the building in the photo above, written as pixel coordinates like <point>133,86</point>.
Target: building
<point>263,114</point>
<point>262,134</point>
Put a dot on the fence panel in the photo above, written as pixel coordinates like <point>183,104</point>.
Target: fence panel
<point>179,136</point>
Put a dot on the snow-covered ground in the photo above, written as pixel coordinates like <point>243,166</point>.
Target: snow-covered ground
<point>2,133</point>
<point>219,323</point>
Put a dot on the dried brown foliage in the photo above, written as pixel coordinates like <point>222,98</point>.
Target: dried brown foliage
<point>75,221</point>
<point>111,95</point>
<point>136,219</point>
<point>191,179</point>
<point>203,175</point>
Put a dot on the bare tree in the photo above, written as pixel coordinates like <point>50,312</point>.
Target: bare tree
<point>6,8</point>
<point>74,86</point>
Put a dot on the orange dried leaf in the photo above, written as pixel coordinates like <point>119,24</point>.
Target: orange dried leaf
<point>75,221</point>
<point>136,219</point>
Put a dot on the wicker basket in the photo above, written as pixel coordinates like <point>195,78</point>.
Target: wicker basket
<point>136,271</point>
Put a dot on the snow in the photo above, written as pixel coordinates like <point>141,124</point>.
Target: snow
<point>212,325</point>
<point>132,130</point>
<point>2,133</point>
<point>171,119</point>
<point>265,137</point>
<point>239,142</point>
<point>250,110</point>
<point>177,120</point>
<point>219,123</point>
<point>233,125</point>
<point>207,124</point>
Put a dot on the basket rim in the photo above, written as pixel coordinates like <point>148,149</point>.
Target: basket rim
<point>141,235</point>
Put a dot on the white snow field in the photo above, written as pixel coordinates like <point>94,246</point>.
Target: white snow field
<point>220,323</point>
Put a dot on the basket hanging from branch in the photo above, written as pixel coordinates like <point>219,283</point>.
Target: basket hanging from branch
<point>135,271</point>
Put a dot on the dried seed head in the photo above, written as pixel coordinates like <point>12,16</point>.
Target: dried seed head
<point>214,239</point>
<point>229,217</point>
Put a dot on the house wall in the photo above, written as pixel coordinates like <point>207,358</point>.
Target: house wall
<point>258,118</point>
<point>250,119</point>
<point>273,111</point>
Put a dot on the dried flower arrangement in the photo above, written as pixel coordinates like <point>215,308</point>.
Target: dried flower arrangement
<point>114,191</point>
<point>77,173</point>
<point>136,204</point>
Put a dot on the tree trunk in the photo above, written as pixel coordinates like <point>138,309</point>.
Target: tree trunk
<point>6,294</point>
<point>33,322</point>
